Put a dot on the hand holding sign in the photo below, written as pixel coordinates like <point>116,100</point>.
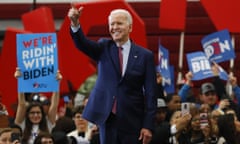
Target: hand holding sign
<point>59,76</point>
<point>218,46</point>
<point>17,73</point>
<point>215,69</point>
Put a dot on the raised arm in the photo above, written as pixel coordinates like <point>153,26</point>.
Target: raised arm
<point>183,92</point>
<point>74,15</point>
<point>52,113</point>
<point>218,83</point>
<point>235,87</point>
<point>21,108</point>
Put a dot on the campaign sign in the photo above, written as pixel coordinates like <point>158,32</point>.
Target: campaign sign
<point>163,67</point>
<point>199,65</point>
<point>168,84</point>
<point>218,46</point>
<point>38,62</point>
<point>222,74</point>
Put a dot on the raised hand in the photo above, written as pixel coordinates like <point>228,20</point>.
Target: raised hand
<point>59,76</point>
<point>74,14</point>
<point>17,73</point>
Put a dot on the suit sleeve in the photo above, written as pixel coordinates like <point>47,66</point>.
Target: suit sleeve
<point>150,93</point>
<point>89,47</point>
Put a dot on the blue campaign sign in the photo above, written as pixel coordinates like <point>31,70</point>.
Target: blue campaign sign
<point>222,74</point>
<point>199,65</point>
<point>218,46</point>
<point>37,58</point>
<point>168,84</point>
<point>163,57</point>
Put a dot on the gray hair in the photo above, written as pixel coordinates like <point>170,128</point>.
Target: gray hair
<point>123,11</point>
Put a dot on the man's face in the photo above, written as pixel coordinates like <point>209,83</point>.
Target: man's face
<point>80,123</point>
<point>119,28</point>
<point>209,97</point>
<point>175,103</point>
<point>46,141</point>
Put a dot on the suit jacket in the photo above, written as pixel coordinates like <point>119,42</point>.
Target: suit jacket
<point>134,92</point>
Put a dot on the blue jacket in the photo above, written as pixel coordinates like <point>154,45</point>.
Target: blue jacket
<point>134,92</point>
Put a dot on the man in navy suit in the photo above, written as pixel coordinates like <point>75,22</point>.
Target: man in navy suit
<point>123,101</point>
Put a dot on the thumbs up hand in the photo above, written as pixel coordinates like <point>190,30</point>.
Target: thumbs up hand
<point>74,14</point>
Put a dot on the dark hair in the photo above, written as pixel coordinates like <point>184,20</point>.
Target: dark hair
<point>60,138</point>
<point>41,135</point>
<point>64,124</point>
<point>15,126</point>
<point>28,124</point>
<point>78,109</point>
<point>227,128</point>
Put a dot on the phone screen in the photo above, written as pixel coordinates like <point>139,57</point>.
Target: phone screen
<point>185,108</point>
<point>203,119</point>
<point>66,99</point>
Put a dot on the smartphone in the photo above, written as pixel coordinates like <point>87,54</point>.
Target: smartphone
<point>15,136</point>
<point>66,99</point>
<point>203,119</point>
<point>185,108</point>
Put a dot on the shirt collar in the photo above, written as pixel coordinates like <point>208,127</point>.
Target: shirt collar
<point>126,45</point>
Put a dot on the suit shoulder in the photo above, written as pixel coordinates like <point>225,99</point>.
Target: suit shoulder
<point>144,50</point>
<point>106,42</point>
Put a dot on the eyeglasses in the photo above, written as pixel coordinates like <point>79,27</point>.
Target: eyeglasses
<point>35,112</point>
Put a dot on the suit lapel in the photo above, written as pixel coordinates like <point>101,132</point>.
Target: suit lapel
<point>115,58</point>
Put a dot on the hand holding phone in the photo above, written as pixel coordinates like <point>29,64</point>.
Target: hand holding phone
<point>66,99</point>
<point>15,136</point>
<point>185,108</point>
<point>203,119</point>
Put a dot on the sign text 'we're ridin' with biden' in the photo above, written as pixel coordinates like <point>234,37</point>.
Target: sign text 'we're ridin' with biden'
<point>37,58</point>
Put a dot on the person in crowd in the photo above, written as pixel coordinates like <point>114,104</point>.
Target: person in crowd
<point>43,100</point>
<point>207,92</point>
<point>236,93</point>
<point>44,138</point>
<point>161,111</point>
<point>16,129</point>
<point>227,129</point>
<point>61,138</point>
<point>32,118</point>
<point>160,93</point>
<point>6,136</point>
<point>173,102</point>
<point>160,118</point>
<point>123,100</point>
<point>210,92</point>
<point>169,132</point>
<point>64,124</point>
<point>83,134</point>
<point>85,89</point>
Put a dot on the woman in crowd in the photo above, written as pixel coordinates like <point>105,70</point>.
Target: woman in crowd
<point>227,129</point>
<point>31,118</point>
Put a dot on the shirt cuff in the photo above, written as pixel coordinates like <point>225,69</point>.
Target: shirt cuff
<point>75,28</point>
<point>173,129</point>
